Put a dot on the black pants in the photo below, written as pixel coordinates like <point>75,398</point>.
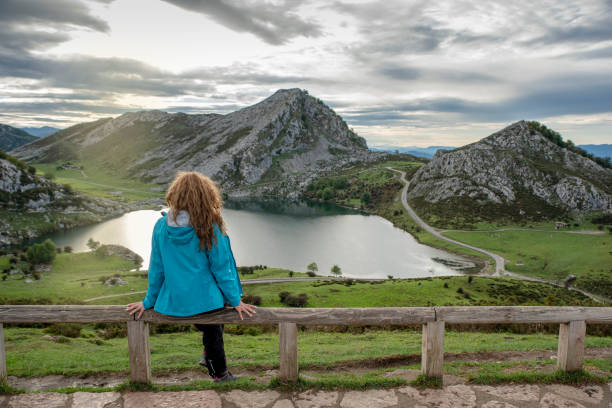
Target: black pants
<point>214,353</point>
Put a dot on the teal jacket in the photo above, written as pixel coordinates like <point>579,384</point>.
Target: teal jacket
<point>185,280</point>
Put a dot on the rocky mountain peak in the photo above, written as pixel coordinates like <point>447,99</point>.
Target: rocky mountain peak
<point>290,135</point>
<point>517,170</point>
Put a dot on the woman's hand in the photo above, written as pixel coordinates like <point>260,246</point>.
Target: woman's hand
<point>136,307</point>
<point>248,310</point>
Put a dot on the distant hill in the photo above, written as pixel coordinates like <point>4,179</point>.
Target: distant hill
<point>11,137</point>
<point>426,152</point>
<point>273,147</point>
<point>601,150</point>
<point>517,173</point>
<point>42,131</point>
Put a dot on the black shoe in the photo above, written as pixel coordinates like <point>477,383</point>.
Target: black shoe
<point>226,378</point>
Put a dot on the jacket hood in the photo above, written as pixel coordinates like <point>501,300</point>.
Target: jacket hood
<point>180,233</point>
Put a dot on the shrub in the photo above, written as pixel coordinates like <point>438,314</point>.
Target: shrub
<point>92,244</point>
<point>460,290</point>
<point>252,299</point>
<point>246,270</point>
<point>446,285</point>
<point>36,275</point>
<point>68,249</point>
<point>311,274</point>
<point>297,301</point>
<point>288,299</point>
<point>41,253</point>
<point>283,296</point>
<point>327,193</point>
<point>114,330</point>
<point>366,198</point>
<point>291,274</point>
<point>243,330</point>
<point>170,328</point>
<point>65,329</point>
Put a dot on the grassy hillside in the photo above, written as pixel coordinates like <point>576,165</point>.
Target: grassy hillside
<point>76,277</point>
<point>551,255</point>
<point>99,181</point>
<point>251,350</point>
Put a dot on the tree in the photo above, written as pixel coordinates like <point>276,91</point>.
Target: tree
<point>41,253</point>
<point>336,270</point>
<point>328,193</point>
<point>366,198</point>
<point>313,267</point>
<point>93,245</point>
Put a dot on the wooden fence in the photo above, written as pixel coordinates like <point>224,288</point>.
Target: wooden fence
<point>572,321</point>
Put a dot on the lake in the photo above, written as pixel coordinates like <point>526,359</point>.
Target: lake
<point>291,236</point>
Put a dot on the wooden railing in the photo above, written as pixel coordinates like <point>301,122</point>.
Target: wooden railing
<point>572,321</point>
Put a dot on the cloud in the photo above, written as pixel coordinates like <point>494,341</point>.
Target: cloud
<point>576,97</point>
<point>27,25</point>
<point>55,13</point>
<point>275,24</point>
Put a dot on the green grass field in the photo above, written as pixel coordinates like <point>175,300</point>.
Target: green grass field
<point>30,354</point>
<point>100,348</point>
<point>551,255</point>
<point>98,181</point>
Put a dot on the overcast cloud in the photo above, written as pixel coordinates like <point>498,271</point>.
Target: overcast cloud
<point>400,72</point>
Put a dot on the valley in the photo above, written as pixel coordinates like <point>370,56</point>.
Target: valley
<point>516,202</point>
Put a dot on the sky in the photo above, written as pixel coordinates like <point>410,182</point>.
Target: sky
<point>401,73</point>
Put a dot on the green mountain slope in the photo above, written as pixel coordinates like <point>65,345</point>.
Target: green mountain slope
<point>273,147</point>
<point>11,137</point>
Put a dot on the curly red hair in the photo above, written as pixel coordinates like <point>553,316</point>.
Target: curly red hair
<point>199,196</point>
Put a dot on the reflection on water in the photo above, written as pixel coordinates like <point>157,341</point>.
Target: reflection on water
<point>289,235</point>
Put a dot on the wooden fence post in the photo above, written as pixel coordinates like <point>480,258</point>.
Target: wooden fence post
<point>140,356</point>
<point>288,351</point>
<point>432,349</point>
<point>3,373</point>
<point>570,352</point>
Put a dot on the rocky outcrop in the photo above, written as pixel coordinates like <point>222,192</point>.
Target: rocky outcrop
<point>32,205</point>
<point>285,141</point>
<point>512,168</point>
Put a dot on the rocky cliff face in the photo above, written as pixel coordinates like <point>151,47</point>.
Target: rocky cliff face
<point>271,147</point>
<point>31,205</point>
<point>11,137</point>
<point>515,170</point>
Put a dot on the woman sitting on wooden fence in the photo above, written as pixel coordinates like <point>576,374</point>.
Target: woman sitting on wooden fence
<point>192,268</point>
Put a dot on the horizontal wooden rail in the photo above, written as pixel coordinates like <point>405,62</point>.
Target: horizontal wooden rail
<point>381,316</point>
<point>572,331</point>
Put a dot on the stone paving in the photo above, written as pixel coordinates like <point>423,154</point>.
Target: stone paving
<point>452,396</point>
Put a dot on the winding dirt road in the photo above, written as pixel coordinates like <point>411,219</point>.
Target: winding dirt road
<point>499,260</point>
